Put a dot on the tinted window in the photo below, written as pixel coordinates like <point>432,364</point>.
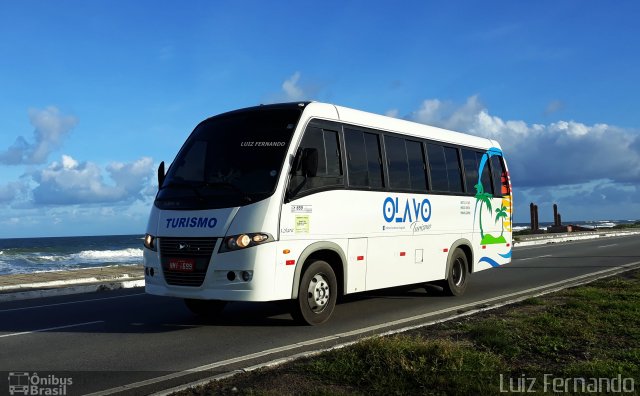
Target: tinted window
<point>356,158</point>
<point>472,160</point>
<point>486,175</point>
<point>397,162</point>
<point>229,160</point>
<point>363,159</point>
<point>470,169</point>
<point>374,160</point>
<point>417,175</point>
<point>329,164</point>
<point>313,138</point>
<point>193,163</point>
<point>444,166</point>
<point>332,152</point>
<point>437,167</point>
<point>454,173</point>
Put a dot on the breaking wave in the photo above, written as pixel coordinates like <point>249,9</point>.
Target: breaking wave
<point>27,260</point>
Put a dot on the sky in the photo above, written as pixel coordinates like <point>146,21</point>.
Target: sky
<point>94,94</point>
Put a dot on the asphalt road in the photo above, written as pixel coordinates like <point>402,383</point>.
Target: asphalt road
<point>126,341</point>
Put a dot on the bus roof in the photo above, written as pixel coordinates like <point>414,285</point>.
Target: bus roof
<point>365,119</point>
<point>391,124</point>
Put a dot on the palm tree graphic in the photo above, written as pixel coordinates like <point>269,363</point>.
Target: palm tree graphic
<point>483,198</point>
<point>501,213</point>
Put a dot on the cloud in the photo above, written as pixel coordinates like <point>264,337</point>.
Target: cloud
<point>559,153</point>
<point>594,200</point>
<point>135,178</point>
<point>51,127</point>
<point>11,191</point>
<point>553,107</point>
<point>71,182</point>
<point>392,113</point>
<point>291,89</point>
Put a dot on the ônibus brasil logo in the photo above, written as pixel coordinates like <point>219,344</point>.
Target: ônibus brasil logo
<point>23,383</point>
<point>407,210</point>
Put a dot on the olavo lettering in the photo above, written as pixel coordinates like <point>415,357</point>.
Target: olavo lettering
<point>406,210</point>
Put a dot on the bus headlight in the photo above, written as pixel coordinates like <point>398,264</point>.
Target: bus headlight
<point>241,241</point>
<point>150,242</point>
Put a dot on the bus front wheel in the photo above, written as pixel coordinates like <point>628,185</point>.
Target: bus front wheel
<point>317,294</point>
<point>456,282</point>
<point>205,307</point>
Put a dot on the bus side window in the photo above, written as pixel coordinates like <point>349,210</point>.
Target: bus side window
<point>329,161</point>
<point>363,159</point>
<point>397,163</point>
<point>470,169</point>
<point>417,169</point>
<point>438,167</point>
<point>454,172</point>
<point>500,177</point>
<point>446,174</point>
<point>374,160</point>
<point>486,175</point>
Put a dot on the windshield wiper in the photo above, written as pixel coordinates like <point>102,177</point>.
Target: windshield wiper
<point>230,186</point>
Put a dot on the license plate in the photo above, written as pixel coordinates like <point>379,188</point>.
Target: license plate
<point>182,264</point>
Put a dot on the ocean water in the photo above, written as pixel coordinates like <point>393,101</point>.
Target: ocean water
<point>595,224</point>
<point>27,255</point>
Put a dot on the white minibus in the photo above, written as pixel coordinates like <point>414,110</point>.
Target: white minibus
<point>310,201</point>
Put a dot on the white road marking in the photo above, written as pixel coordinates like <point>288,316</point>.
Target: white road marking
<point>50,328</point>
<point>604,246</point>
<point>69,303</point>
<point>516,296</point>
<point>531,258</point>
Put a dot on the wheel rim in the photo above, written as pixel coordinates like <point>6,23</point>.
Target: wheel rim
<point>318,293</point>
<point>458,272</point>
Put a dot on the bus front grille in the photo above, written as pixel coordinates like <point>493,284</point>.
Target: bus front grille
<point>176,278</point>
<point>194,250</point>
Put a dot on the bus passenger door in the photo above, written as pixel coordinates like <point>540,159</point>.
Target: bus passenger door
<point>356,265</point>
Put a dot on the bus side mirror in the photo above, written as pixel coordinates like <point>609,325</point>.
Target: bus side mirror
<point>309,162</point>
<point>161,174</point>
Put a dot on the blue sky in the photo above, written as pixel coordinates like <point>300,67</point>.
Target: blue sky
<point>94,94</point>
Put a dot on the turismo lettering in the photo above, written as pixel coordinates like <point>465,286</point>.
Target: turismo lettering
<point>191,222</point>
<point>408,210</point>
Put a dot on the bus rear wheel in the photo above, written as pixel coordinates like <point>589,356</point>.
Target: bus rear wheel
<point>317,294</point>
<point>205,307</point>
<point>456,282</point>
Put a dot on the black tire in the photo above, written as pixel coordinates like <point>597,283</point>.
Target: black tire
<point>205,307</point>
<point>317,294</point>
<point>457,275</point>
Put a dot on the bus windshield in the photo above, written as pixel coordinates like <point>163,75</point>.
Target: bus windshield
<point>230,160</point>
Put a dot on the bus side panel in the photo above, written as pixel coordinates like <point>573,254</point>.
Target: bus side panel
<point>317,222</point>
<point>399,260</point>
<point>408,235</point>
<point>421,229</point>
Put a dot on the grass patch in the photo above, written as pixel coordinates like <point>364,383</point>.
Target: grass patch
<point>591,331</point>
<point>406,364</point>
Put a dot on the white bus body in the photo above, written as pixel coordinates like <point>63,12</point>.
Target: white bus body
<point>361,200</point>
